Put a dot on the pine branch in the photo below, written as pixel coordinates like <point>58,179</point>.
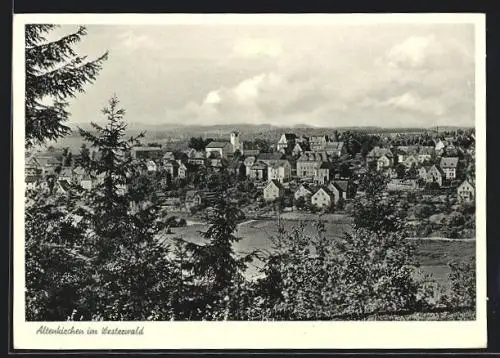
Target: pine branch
<point>49,55</point>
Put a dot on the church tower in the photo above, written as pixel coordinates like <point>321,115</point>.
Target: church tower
<point>235,141</point>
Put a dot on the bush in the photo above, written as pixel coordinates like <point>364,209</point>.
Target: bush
<point>463,284</point>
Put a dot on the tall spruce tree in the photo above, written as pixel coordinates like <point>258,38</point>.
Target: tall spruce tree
<point>53,72</point>
<point>132,274</point>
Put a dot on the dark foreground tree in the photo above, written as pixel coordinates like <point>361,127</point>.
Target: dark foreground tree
<point>54,73</point>
<point>132,274</point>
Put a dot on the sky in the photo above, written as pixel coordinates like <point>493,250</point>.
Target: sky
<point>392,75</point>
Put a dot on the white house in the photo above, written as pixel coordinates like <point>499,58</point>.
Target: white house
<point>465,192</point>
<point>281,170</point>
<point>222,149</point>
<point>151,166</point>
<point>449,166</point>
<point>322,198</point>
<point>273,190</point>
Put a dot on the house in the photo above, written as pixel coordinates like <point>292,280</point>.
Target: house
<point>32,167</point>
<point>402,185</point>
<point>223,149</point>
<point>258,171</point>
<point>435,175</point>
<point>318,143</point>
<point>273,190</point>
<point>144,153</point>
<point>322,173</point>
<point>151,166</point>
<point>303,191</point>
<point>31,181</point>
<point>384,162</point>
<point>269,158</point>
<point>449,166</point>
<point>422,171</point>
<point>192,199</point>
<point>410,160</point>
<point>425,153</point>
<point>299,148</point>
<point>465,192</point>
<point>335,149</point>
<point>196,158</point>
<point>287,140</point>
<point>401,152</point>
<point>248,162</point>
<point>338,191</point>
<point>280,170</point>
<point>309,162</point>
<point>181,170</point>
<point>378,152</point>
<point>439,146</point>
<point>322,198</point>
<point>345,187</point>
<point>169,155</point>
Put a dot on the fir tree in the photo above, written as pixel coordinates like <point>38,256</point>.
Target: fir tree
<point>53,72</point>
<point>132,274</point>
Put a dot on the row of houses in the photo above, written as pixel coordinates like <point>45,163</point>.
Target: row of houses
<point>289,142</point>
<point>320,196</point>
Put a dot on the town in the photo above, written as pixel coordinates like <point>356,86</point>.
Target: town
<point>315,174</point>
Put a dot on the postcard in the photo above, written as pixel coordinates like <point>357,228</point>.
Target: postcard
<point>253,181</point>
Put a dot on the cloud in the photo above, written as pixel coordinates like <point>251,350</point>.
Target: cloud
<point>413,102</point>
<point>253,47</point>
<point>133,41</point>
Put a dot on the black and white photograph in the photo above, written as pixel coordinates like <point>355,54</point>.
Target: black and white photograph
<point>252,171</point>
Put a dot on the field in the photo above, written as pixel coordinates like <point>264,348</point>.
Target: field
<point>432,255</point>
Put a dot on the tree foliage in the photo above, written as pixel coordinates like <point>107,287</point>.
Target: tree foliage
<point>54,72</point>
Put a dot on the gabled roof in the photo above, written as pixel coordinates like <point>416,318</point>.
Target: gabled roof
<point>251,152</point>
<point>276,183</point>
<point>448,162</point>
<point>217,144</point>
<point>304,187</point>
<point>325,189</point>
<point>436,168</point>
<point>334,146</point>
<point>378,152</point>
<point>341,184</point>
<point>278,163</point>
<point>270,156</point>
<point>313,156</point>
<point>466,182</point>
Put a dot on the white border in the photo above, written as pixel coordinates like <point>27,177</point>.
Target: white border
<point>253,335</point>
